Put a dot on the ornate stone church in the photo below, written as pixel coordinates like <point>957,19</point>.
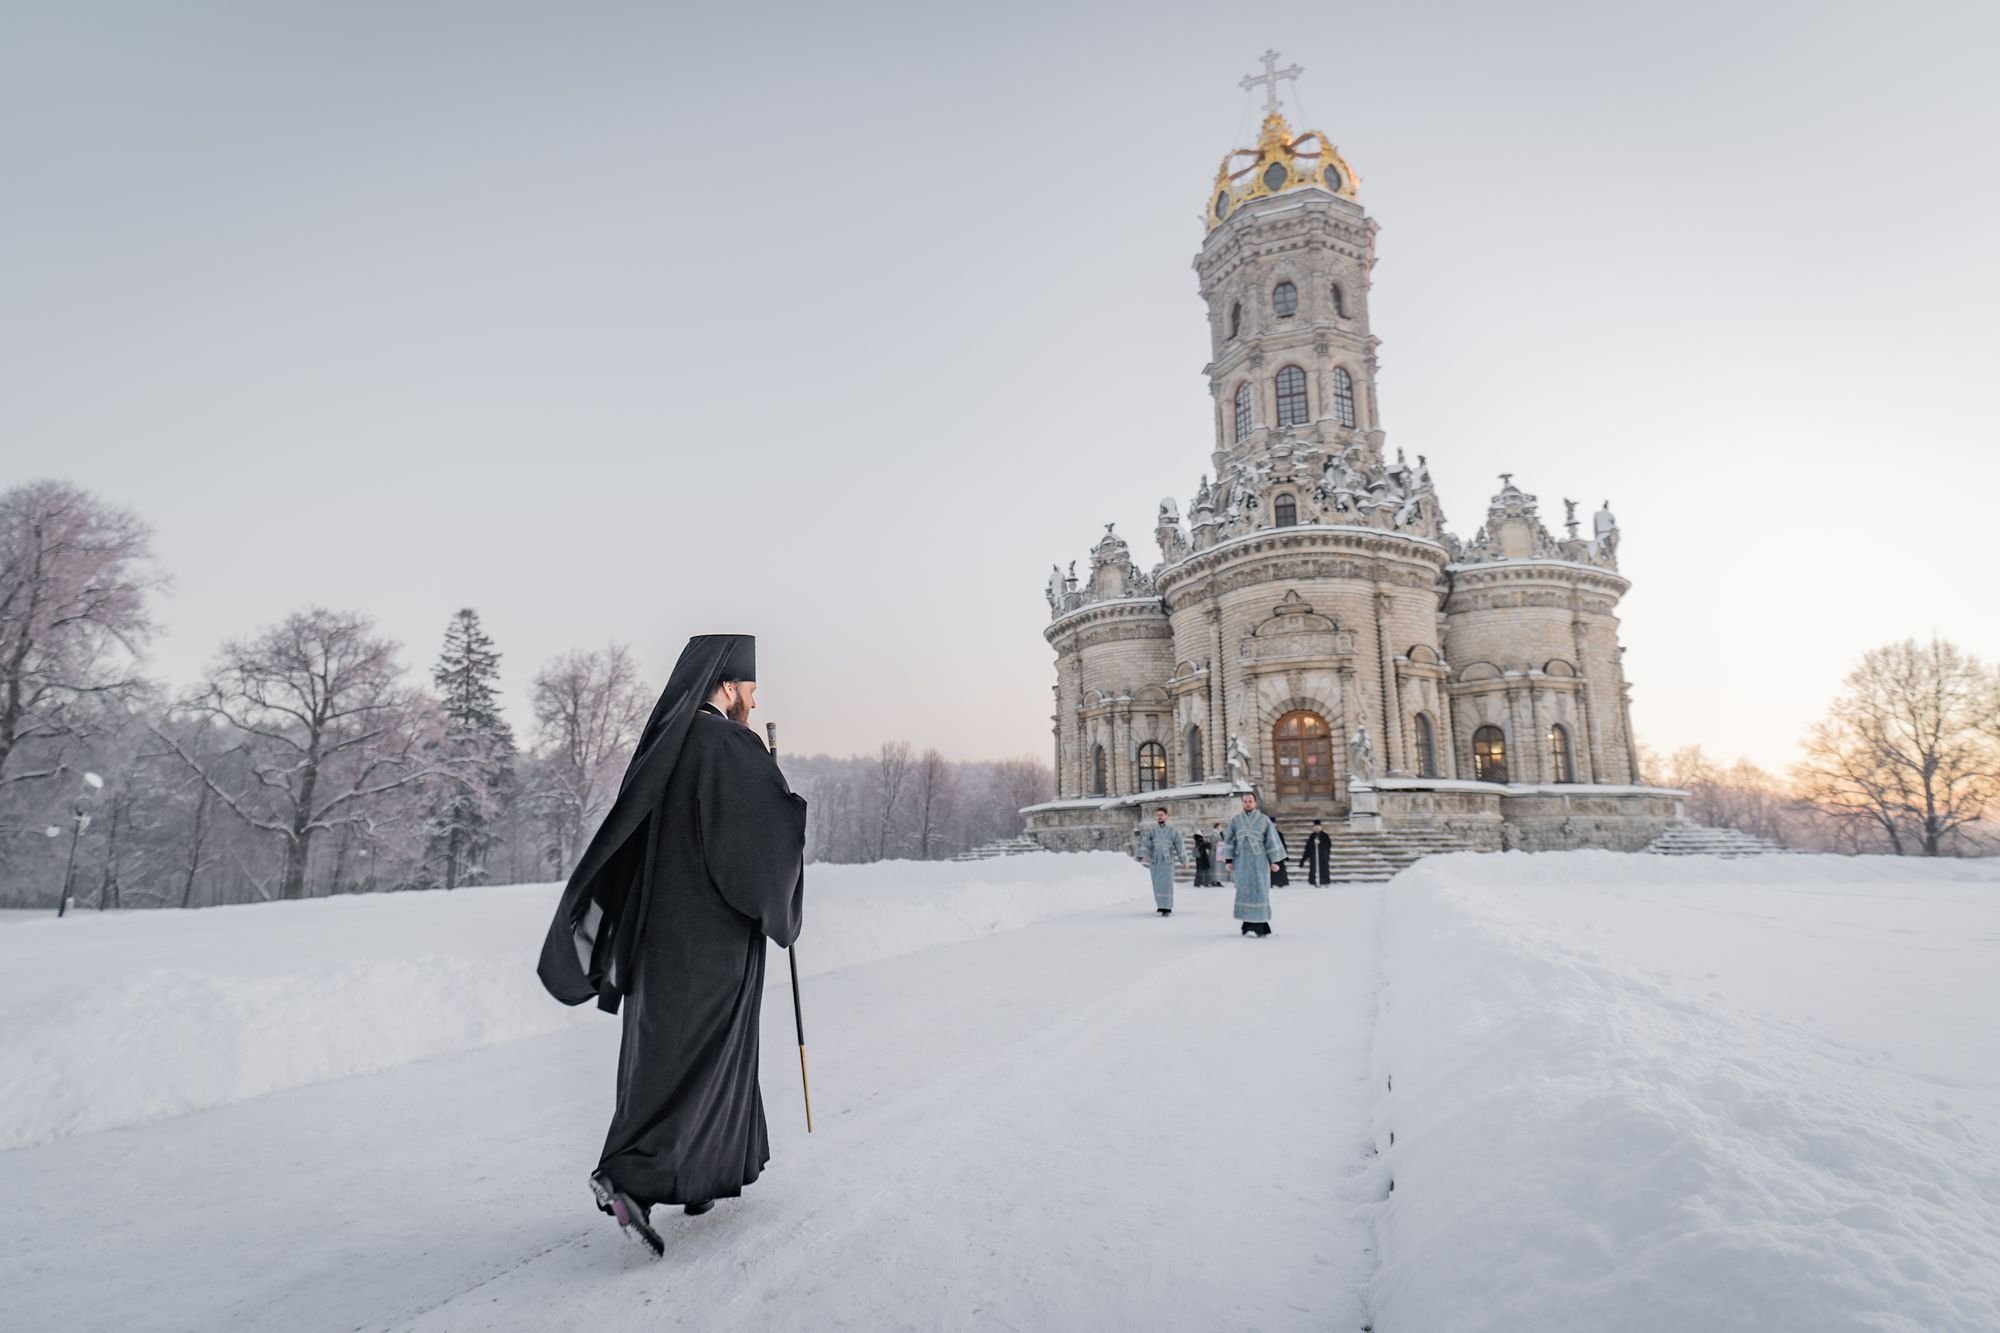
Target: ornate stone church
<point>1312,629</point>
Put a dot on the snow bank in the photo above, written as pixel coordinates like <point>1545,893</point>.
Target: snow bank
<point>1644,1093</point>
<point>120,1018</point>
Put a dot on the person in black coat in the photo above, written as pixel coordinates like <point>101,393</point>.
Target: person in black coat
<point>1204,862</point>
<point>699,862</point>
<point>1319,856</point>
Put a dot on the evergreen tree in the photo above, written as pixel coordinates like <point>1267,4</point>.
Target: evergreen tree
<point>466,810</point>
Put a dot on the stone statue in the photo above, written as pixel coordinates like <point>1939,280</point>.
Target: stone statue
<point>1055,588</point>
<point>1605,522</point>
<point>1569,518</point>
<point>1360,757</point>
<point>1239,763</point>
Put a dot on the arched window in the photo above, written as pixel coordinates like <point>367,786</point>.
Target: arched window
<point>1561,769</point>
<point>1194,754</point>
<point>1427,747</point>
<point>1285,300</point>
<point>1291,396</point>
<point>1235,319</point>
<point>1343,396</point>
<point>1097,771</point>
<point>1285,510</point>
<point>1339,301</point>
<point>1152,766</point>
<point>1489,755</point>
<point>1242,411</point>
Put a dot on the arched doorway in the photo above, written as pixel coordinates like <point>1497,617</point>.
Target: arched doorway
<point>1302,745</point>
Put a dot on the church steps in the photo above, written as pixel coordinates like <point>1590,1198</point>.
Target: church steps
<point>1701,840</point>
<point>1359,856</point>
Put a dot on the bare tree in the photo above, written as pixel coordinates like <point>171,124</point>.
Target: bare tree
<point>197,842</point>
<point>1021,782</point>
<point>323,723</point>
<point>891,775</point>
<point>1902,750</point>
<point>589,711</point>
<point>74,576</point>
<point>1742,796</point>
<point>932,800</point>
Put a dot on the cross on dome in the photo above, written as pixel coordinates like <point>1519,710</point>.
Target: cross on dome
<point>1269,78</point>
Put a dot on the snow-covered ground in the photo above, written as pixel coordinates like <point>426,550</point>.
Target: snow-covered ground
<point>1107,1119</point>
<point>1625,1093</point>
<point>111,1019</point>
<point>1648,1093</point>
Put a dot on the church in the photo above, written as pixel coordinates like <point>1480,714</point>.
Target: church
<point>1312,630</point>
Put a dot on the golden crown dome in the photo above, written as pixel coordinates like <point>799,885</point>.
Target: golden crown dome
<point>1281,161</point>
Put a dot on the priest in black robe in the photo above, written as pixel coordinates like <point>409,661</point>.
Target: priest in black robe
<point>1319,856</point>
<point>699,862</point>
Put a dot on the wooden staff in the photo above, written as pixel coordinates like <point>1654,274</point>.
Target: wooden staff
<point>792,955</point>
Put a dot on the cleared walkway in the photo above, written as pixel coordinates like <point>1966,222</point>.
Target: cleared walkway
<point>1104,1121</point>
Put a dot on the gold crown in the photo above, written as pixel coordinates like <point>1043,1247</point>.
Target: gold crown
<point>1278,163</point>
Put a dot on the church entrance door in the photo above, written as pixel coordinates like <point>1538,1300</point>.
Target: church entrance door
<point>1303,747</point>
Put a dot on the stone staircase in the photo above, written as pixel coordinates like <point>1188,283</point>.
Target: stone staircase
<point>1357,857</point>
<point>986,851</point>
<point>1701,840</point>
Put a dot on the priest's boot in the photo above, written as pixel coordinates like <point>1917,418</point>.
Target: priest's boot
<point>697,1209</point>
<point>1246,928</point>
<point>634,1217</point>
<point>1164,911</point>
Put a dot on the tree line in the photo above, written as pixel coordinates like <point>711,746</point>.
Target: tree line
<point>307,760</point>
<point>1905,762</point>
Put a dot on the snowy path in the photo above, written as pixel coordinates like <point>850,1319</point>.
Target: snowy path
<point>1105,1120</point>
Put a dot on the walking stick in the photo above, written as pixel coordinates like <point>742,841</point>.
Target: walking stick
<point>792,956</point>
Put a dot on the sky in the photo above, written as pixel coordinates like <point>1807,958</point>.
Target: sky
<point>840,324</point>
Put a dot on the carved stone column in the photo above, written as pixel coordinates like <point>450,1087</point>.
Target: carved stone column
<point>1516,770</point>
<point>1589,745</point>
<point>1449,721</point>
<point>1394,758</point>
<point>1538,731</point>
<point>1216,734</point>
<point>1343,728</point>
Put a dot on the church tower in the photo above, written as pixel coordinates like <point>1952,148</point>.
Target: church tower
<point>1312,631</point>
<point>1285,273</point>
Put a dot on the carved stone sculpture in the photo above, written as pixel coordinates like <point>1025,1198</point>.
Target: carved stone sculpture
<point>1240,771</point>
<point>1360,757</point>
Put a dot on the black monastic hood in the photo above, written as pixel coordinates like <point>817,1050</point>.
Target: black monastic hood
<point>588,951</point>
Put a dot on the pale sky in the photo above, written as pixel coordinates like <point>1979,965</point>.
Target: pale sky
<point>839,324</point>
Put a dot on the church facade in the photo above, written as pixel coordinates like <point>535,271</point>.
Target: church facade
<point>1312,629</point>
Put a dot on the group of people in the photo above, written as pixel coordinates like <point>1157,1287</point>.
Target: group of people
<point>1252,851</point>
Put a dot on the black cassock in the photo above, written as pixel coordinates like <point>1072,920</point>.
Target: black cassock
<point>1204,861</point>
<point>1319,858</point>
<point>672,920</point>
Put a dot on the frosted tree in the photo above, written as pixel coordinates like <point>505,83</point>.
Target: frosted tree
<point>933,796</point>
<point>1017,783</point>
<point>891,775</point>
<point>589,710</point>
<point>1902,751</point>
<point>323,726</point>
<point>465,807</point>
<point>74,577</point>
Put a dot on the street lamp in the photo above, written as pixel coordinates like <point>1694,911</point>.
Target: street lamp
<point>80,820</point>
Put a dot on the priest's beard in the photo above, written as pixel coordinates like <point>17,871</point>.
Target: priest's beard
<point>738,708</point>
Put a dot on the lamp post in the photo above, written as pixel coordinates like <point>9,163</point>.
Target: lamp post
<point>79,821</point>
